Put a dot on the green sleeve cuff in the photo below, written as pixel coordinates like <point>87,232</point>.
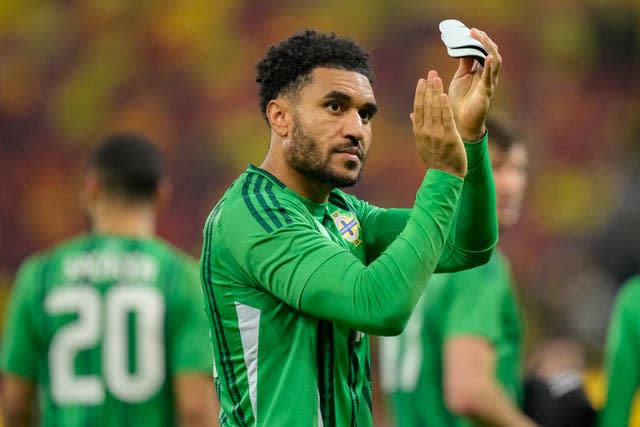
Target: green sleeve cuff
<point>476,153</point>
<point>483,139</point>
<point>438,177</point>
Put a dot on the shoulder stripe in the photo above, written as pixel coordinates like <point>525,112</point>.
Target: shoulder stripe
<point>269,175</point>
<point>214,213</point>
<point>263,203</point>
<point>229,374</point>
<point>251,207</point>
<point>268,212</point>
<point>269,189</point>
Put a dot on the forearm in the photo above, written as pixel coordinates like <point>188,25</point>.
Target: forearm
<point>18,401</point>
<point>18,419</point>
<point>18,415</point>
<point>475,230</point>
<point>379,298</point>
<point>200,419</point>
<point>500,411</point>
<point>486,402</point>
<point>195,400</point>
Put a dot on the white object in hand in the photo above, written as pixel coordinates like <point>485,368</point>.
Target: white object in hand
<point>457,38</point>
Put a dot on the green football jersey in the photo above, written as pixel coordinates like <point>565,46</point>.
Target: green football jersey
<point>102,324</point>
<point>293,287</point>
<point>622,356</point>
<point>479,302</point>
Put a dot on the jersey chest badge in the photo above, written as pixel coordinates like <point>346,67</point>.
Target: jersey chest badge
<point>348,226</point>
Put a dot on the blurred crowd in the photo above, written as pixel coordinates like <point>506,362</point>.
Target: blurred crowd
<point>183,74</point>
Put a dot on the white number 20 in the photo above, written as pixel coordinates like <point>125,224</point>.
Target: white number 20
<point>105,318</point>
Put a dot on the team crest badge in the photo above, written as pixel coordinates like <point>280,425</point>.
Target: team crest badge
<point>348,226</point>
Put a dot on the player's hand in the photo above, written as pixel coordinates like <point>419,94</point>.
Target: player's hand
<point>439,143</point>
<point>472,87</point>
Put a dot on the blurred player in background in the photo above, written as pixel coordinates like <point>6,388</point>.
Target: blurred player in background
<point>622,357</point>
<point>458,361</point>
<point>108,328</point>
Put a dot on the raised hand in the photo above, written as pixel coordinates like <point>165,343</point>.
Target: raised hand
<point>472,87</point>
<point>439,143</point>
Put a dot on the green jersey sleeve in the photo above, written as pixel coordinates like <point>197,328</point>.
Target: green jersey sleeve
<point>187,324</point>
<point>474,234</point>
<point>308,271</point>
<point>621,356</point>
<point>21,346</point>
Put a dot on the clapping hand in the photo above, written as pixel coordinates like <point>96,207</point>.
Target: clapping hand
<point>472,87</point>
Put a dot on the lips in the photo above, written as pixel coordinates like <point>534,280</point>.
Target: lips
<point>355,151</point>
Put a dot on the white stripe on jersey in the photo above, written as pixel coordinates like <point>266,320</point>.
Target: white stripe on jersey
<point>249,324</point>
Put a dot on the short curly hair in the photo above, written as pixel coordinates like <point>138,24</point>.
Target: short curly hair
<point>287,65</point>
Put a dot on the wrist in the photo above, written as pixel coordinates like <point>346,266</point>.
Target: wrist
<point>473,135</point>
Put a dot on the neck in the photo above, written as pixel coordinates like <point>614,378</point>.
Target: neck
<point>124,220</point>
<point>307,188</point>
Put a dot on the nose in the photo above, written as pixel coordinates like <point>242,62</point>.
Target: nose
<point>354,126</point>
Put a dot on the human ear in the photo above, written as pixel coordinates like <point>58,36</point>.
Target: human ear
<point>90,191</point>
<point>163,192</point>
<point>279,116</point>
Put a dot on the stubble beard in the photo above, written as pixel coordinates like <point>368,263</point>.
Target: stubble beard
<point>306,158</point>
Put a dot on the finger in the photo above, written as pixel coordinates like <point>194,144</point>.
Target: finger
<point>489,79</point>
<point>492,49</point>
<point>428,100</point>
<point>418,103</point>
<point>482,37</point>
<point>496,65</point>
<point>448,123</point>
<point>436,109</point>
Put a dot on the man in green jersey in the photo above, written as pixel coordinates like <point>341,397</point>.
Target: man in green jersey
<point>622,356</point>
<point>296,273</point>
<point>106,328</point>
<point>458,361</point>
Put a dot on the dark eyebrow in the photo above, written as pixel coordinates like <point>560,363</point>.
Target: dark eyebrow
<point>370,107</point>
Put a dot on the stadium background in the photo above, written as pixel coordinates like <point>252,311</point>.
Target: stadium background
<point>182,72</point>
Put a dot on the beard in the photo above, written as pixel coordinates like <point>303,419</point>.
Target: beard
<point>305,157</point>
